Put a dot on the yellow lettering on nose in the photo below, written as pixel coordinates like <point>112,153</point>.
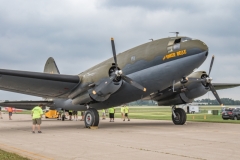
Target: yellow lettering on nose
<point>171,55</point>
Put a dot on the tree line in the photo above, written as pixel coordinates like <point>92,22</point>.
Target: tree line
<point>225,101</point>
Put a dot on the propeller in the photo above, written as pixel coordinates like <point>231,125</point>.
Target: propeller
<point>207,80</point>
<point>116,74</point>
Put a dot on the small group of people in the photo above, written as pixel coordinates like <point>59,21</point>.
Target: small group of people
<point>73,115</point>
<point>10,111</point>
<point>124,113</point>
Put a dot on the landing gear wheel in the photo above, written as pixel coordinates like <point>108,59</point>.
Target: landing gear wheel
<point>91,118</point>
<point>180,118</point>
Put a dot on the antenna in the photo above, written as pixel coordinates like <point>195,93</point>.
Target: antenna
<point>175,33</point>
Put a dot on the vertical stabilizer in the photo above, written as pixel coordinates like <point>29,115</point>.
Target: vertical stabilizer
<point>51,67</point>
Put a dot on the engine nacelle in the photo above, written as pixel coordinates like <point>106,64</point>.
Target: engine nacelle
<point>183,93</point>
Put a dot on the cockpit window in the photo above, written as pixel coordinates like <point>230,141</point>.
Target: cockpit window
<point>174,44</point>
<point>184,39</point>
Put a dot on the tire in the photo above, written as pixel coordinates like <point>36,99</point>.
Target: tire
<point>235,118</point>
<point>180,116</point>
<point>91,118</point>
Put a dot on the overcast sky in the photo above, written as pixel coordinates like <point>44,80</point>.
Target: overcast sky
<point>77,33</point>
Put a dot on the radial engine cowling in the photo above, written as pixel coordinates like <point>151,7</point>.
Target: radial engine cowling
<point>183,93</point>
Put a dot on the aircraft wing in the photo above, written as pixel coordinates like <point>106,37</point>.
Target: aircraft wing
<point>219,86</point>
<point>38,84</point>
<point>25,104</point>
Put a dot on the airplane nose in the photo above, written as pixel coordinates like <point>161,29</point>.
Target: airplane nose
<point>203,46</point>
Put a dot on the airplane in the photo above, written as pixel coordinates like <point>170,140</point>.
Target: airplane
<point>161,70</point>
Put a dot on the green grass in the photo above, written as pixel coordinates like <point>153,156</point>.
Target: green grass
<point>164,113</point>
<point>10,156</point>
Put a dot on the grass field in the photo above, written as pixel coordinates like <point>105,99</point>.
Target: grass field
<point>164,113</point>
<point>10,156</point>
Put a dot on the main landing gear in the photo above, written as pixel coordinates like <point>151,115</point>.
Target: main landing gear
<point>179,116</point>
<point>91,118</point>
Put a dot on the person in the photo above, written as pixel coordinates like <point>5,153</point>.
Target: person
<point>75,115</point>
<point>70,115</point>
<point>37,113</point>
<point>126,111</point>
<point>122,111</point>
<point>82,114</point>
<point>103,114</point>
<point>1,112</point>
<point>111,114</point>
<point>60,112</point>
<point>10,110</point>
<point>66,114</point>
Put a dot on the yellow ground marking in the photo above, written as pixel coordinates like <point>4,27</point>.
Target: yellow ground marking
<point>14,150</point>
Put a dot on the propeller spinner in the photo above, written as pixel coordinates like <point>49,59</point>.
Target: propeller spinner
<point>116,74</point>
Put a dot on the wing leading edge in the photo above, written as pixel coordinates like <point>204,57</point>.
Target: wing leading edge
<point>38,84</point>
<point>25,104</point>
<point>219,86</point>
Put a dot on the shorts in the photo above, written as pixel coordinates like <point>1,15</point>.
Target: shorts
<point>10,113</point>
<point>70,113</point>
<point>111,115</point>
<point>74,112</point>
<point>126,114</point>
<point>37,121</point>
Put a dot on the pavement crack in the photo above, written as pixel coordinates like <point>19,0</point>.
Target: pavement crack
<point>148,150</point>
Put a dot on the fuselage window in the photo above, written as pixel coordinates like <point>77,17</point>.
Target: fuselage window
<point>184,39</point>
<point>174,44</point>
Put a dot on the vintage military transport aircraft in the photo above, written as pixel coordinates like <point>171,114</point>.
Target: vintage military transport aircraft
<point>156,70</point>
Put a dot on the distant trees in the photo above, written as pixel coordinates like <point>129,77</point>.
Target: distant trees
<point>225,101</point>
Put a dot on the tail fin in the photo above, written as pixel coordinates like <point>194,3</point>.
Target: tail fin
<point>51,67</point>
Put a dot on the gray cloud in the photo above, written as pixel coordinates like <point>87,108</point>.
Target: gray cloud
<point>77,33</point>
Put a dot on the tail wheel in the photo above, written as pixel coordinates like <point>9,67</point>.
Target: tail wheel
<point>180,118</point>
<point>91,118</point>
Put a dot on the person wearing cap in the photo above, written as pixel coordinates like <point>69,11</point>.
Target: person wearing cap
<point>111,114</point>
<point>122,111</point>
<point>126,111</point>
<point>37,113</point>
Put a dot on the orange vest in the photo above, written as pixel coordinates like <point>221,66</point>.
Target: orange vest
<point>10,109</point>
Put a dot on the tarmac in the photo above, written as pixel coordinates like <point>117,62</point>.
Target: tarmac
<point>134,140</point>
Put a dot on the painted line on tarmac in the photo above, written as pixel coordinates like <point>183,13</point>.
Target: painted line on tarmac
<point>13,149</point>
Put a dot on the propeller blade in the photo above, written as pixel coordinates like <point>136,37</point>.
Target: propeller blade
<point>211,64</point>
<point>104,84</point>
<point>215,93</point>
<point>133,83</point>
<point>114,52</point>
